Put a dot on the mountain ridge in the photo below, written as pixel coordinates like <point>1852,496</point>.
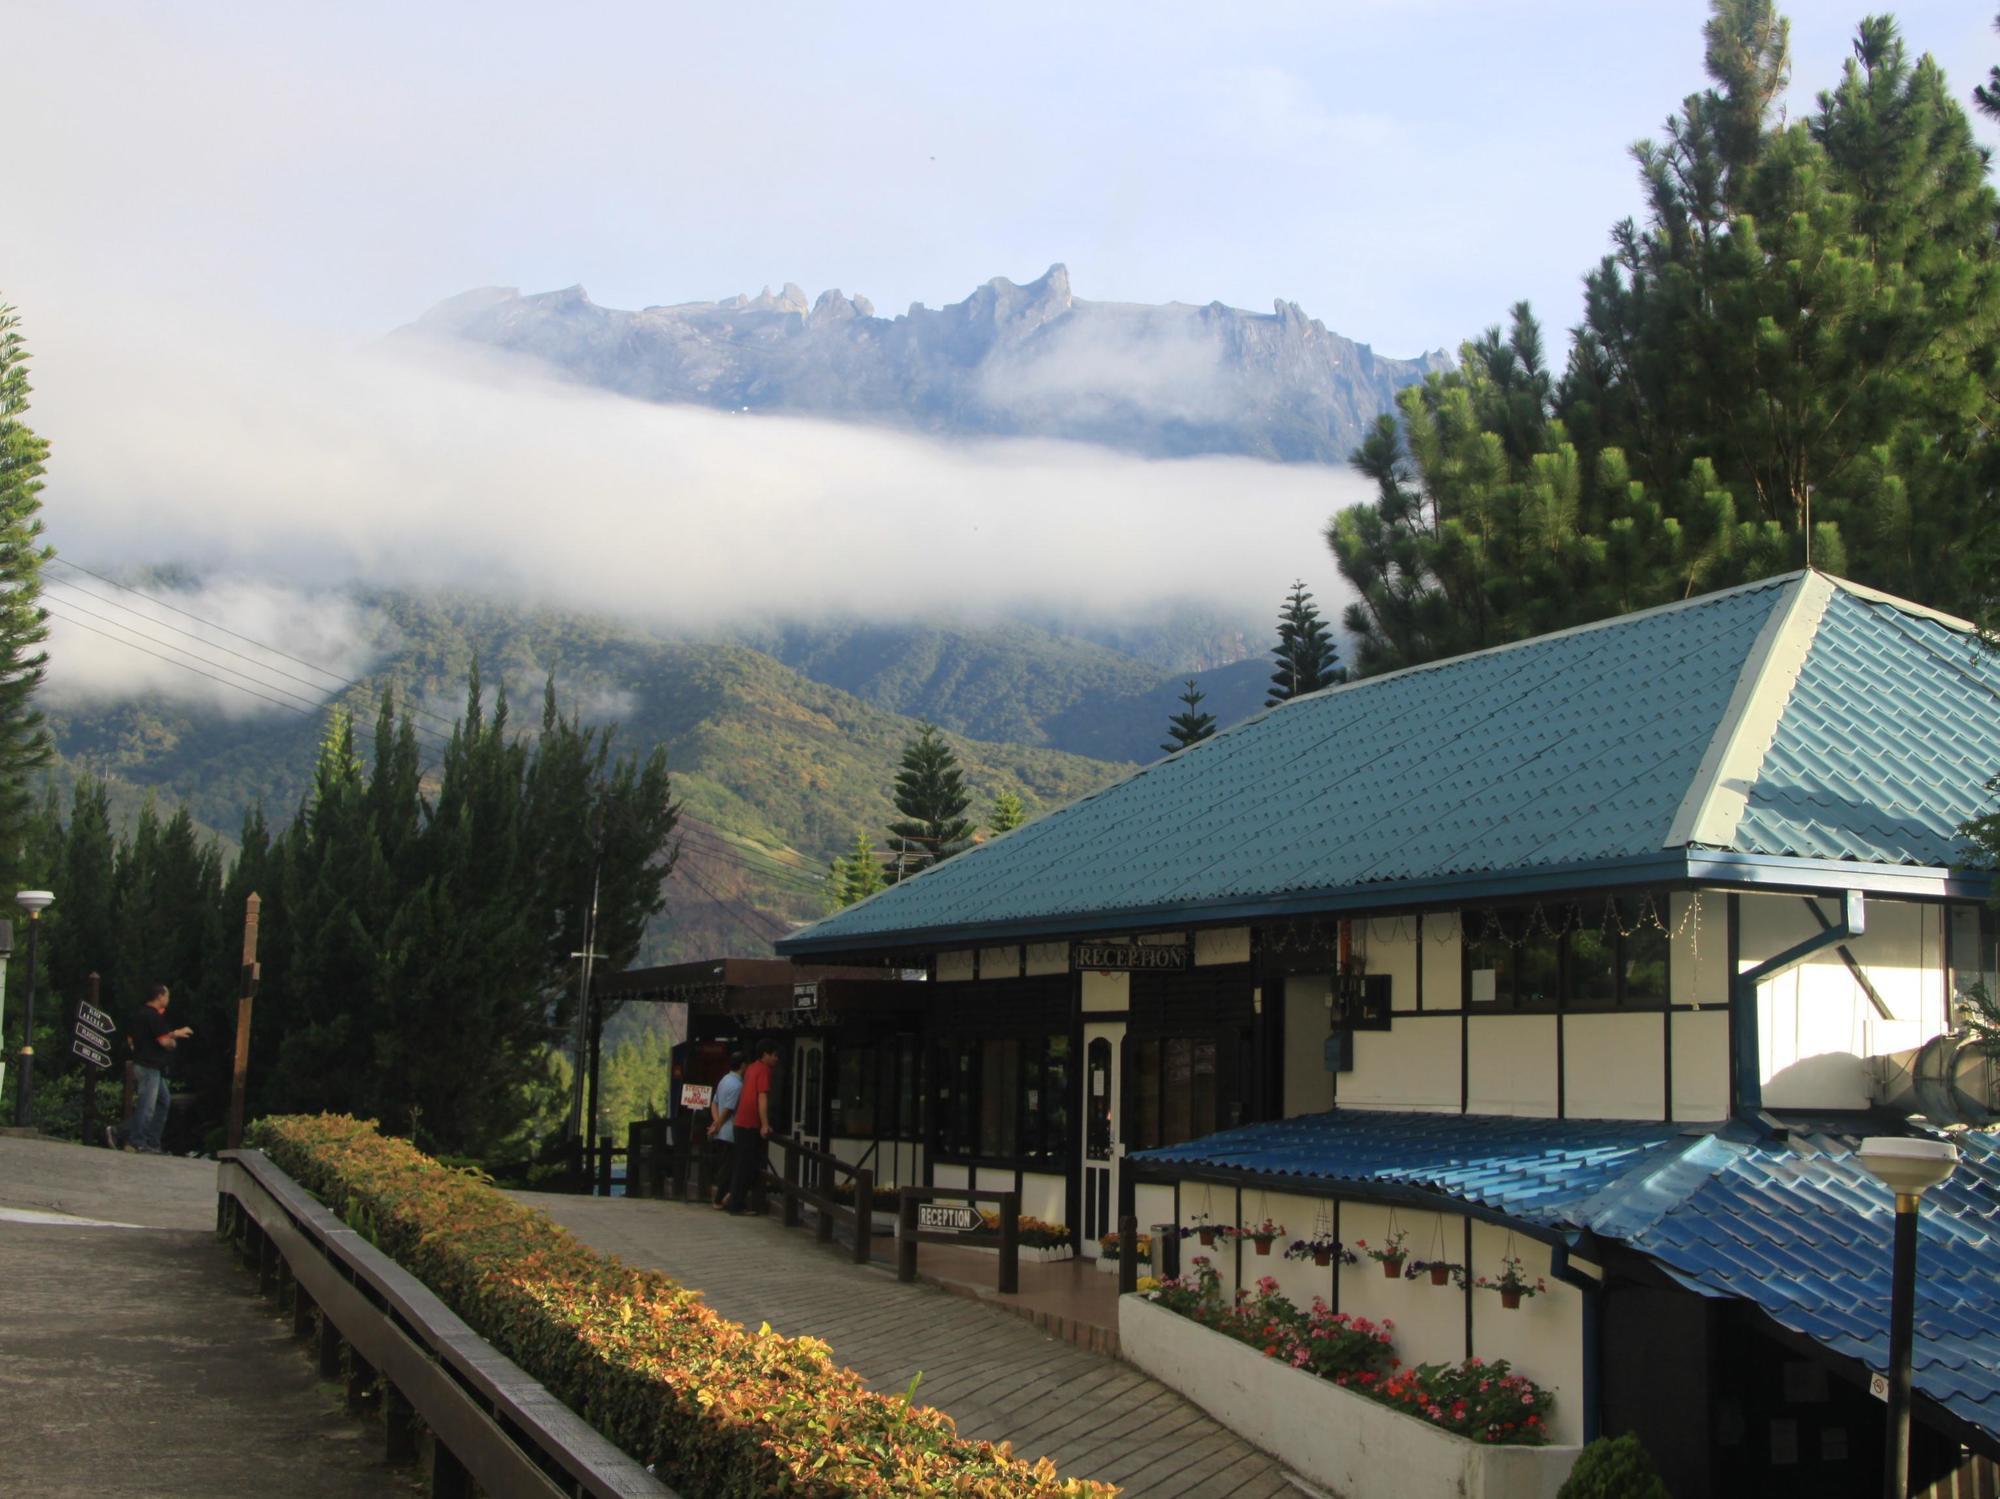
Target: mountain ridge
<point>1032,359</point>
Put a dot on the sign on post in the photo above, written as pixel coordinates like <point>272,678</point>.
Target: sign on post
<point>92,1039</point>
<point>805,996</point>
<point>696,1095</point>
<point>96,1019</point>
<point>941,1218</point>
<point>89,1053</point>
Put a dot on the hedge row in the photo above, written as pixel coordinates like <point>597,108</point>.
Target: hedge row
<point>714,1408</point>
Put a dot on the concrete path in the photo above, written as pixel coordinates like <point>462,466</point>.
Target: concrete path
<point>138,1360</point>
<point>998,1377</point>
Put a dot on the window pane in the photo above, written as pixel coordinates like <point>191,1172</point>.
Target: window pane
<point>1055,1099</point>
<point>1593,965</point>
<point>1489,962</point>
<point>998,1104</point>
<point>909,1095</point>
<point>1201,1110</point>
<point>1176,1090</point>
<point>1644,955</point>
<point>854,1093</point>
<point>1142,1111</point>
<point>1538,971</point>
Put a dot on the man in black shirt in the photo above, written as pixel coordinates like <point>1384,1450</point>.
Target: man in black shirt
<point>153,1041</point>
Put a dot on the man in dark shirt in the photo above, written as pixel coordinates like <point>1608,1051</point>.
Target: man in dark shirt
<point>153,1039</point>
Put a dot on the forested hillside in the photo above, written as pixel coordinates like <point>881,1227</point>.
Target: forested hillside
<point>776,772</point>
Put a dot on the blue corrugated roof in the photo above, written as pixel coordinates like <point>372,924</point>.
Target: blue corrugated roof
<point>1796,1226</point>
<point>1573,751</point>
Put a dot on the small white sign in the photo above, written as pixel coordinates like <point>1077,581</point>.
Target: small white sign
<point>1878,1386</point>
<point>805,996</point>
<point>95,1018</point>
<point>937,1218</point>
<point>696,1095</point>
<point>90,1054</point>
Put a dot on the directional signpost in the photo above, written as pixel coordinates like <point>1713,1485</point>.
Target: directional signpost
<point>94,1030</point>
<point>939,1218</point>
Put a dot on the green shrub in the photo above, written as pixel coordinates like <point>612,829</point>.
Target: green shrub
<point>716,1409</point>
<point>1614,1468</point>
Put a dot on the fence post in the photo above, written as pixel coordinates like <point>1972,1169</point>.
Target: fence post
<point>1010,1243</point>
<point>1128,1254</point>
<point>604,1152</point>
<point>864,1219</point>
<point>399,1431</point>
<point>638,1159</point>
<point>906,1232</point>
<point>790,1214</point>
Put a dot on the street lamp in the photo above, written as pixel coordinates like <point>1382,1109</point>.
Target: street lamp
<point>1908,1167</point>
<point>34,902</point>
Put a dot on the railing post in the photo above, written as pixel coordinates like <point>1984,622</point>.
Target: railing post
<point>789,1216</point>
<point>329,1347</point>
<point>864,1218</point>
<point>1128,1254</point>
<point>302,1312</point>
<point>1010,1244</point>
<point>604,1167</point>
<point>399,1432</point>
<point>636,1162</point>
<point>449,1478</point>
<point>360,1379</point>
<point>906,1234</point>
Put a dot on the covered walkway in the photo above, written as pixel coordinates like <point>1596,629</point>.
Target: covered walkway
<point>1000,1377</point>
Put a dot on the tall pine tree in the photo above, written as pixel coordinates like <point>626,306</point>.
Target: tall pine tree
<point>24,740</point>
<point>1191,725</point>
<point>931,795</point>
<point>1306,655</point>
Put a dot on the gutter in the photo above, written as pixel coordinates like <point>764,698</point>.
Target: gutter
<point>1743,1017</point>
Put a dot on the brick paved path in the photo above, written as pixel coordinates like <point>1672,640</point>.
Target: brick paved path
<point>1000,1378</point>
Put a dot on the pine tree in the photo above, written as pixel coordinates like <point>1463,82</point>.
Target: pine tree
<point>855,875</point>
<point>931,795</point>
<point>1307,657</point>
<point>24,740</point>
<point>1008,813</point>
<point>1802,336</point>
<point>1190,726</point>
<point>1986,96</point>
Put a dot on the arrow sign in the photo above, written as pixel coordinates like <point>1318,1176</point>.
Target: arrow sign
<point>90,1053</point>
<point>95,1018</point>
<point>89,1033</point>
<point>936,1219</point>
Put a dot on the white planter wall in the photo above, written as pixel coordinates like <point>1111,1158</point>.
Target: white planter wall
<point>1347,1444</point>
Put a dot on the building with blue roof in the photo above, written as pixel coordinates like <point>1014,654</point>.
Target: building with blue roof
<point>1598,951</point>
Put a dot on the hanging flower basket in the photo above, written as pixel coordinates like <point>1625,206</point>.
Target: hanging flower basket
<point>1512,1284</point>
<point>1207,1233</point>
<point>1322,1249</point>
<point>1390,1253</point>
<point>1441,1272</point>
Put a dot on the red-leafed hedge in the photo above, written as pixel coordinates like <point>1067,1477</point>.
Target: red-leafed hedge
<point>715,1408</point>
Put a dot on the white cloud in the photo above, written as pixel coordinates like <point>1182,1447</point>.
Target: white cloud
<point>183,437</point>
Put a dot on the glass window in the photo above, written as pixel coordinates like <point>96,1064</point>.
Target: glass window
<point>1591,957</point>
<point>1593,969</point>
<point>1052,1109</point>
<point>909,1088</point>
<point>854,1092</point>
<point>1142,1113</point>
<point>1642,958</point>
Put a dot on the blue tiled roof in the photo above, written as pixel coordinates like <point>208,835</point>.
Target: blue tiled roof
<point>1571,752</point>
<point>1796,1226</point>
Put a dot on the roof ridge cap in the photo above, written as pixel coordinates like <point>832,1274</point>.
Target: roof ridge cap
<point>1906,606</point>
<point>1719,790</point>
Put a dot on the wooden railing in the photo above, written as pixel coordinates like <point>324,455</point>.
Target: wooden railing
<point>383,1331</point>
<point>909,1235</point>
<point>800,1188</point>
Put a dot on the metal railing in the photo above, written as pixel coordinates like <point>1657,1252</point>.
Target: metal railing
<point>383,1331</point>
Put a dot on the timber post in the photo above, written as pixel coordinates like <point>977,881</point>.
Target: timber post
<point>864,1218</point>
<point>251,973</point>
<point>906,1235</point>
<point>1128,1254</point>
<point>1010,1244</point>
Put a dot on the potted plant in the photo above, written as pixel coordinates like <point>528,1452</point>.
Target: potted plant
<point>1263,1235</point>
<point>1512,1282</point>
<point>1390,1254</point>
<point>1321,1249</point>
<point>1441,1272</point>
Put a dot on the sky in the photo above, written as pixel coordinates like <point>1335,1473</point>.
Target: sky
<point>220,209</point>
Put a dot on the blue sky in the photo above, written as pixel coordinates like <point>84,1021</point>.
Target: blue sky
<point>1404,171</point>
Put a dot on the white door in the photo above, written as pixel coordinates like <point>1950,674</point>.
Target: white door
<point>1102,1043</point>
<point>808,1091</point>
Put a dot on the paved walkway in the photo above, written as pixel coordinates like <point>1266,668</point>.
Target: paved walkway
<point>998,1377</point>
<point>136,1358</point>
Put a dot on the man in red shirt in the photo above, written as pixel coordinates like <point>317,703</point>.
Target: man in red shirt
<point>753,1130</point>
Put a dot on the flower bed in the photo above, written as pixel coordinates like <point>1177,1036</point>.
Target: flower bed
<point>717,1409</point>
<point>1356,1431</point>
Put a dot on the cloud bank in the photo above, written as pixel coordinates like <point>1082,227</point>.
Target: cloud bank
<point>283,467</point>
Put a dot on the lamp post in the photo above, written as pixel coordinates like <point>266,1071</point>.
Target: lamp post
<point>1908,1167</point>
<point>34,902</point>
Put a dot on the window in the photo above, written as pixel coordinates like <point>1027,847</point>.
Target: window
<point>1593,956</point>
<point>1174,1093</point>
<point>854,1092</point>
<point>1005,1098</point>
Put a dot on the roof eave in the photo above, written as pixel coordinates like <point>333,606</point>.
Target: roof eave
<point>1669,866</point>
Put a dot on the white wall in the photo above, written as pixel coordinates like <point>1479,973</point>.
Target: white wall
<point>1228,944</point>
<point>1614,1066</point>
<point>1816,1025</point>
<point>1543,1338</point>
<point>1412,1065</point>
<point>1390,947</point>
<point>949,1176</point>
<point>954,967</point>
<point>1042,1195</point>
<point>1106,991</point>
<point>1430,1320</point>
<point>1701,1065</point>
<point>1444,960</point>
<point>999,962</point>
<point>1045,958</point>
<point>1512,1066</point>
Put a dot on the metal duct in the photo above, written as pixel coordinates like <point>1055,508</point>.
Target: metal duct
<point>1948,1080</point>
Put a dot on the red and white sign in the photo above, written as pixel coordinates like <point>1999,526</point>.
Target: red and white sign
<point>696,1095</point>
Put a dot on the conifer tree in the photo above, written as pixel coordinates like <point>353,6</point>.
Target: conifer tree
<point>24,740</point>
<point>1008,813</point>
<point>1306,655</point>
<point>931,795</point>
<point>855,875</point>
<point>1190,726</point>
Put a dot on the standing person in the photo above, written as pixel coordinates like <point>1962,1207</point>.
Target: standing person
<point>722,1128</point>
<point>153,1040</point>
<point>753,1129</point>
